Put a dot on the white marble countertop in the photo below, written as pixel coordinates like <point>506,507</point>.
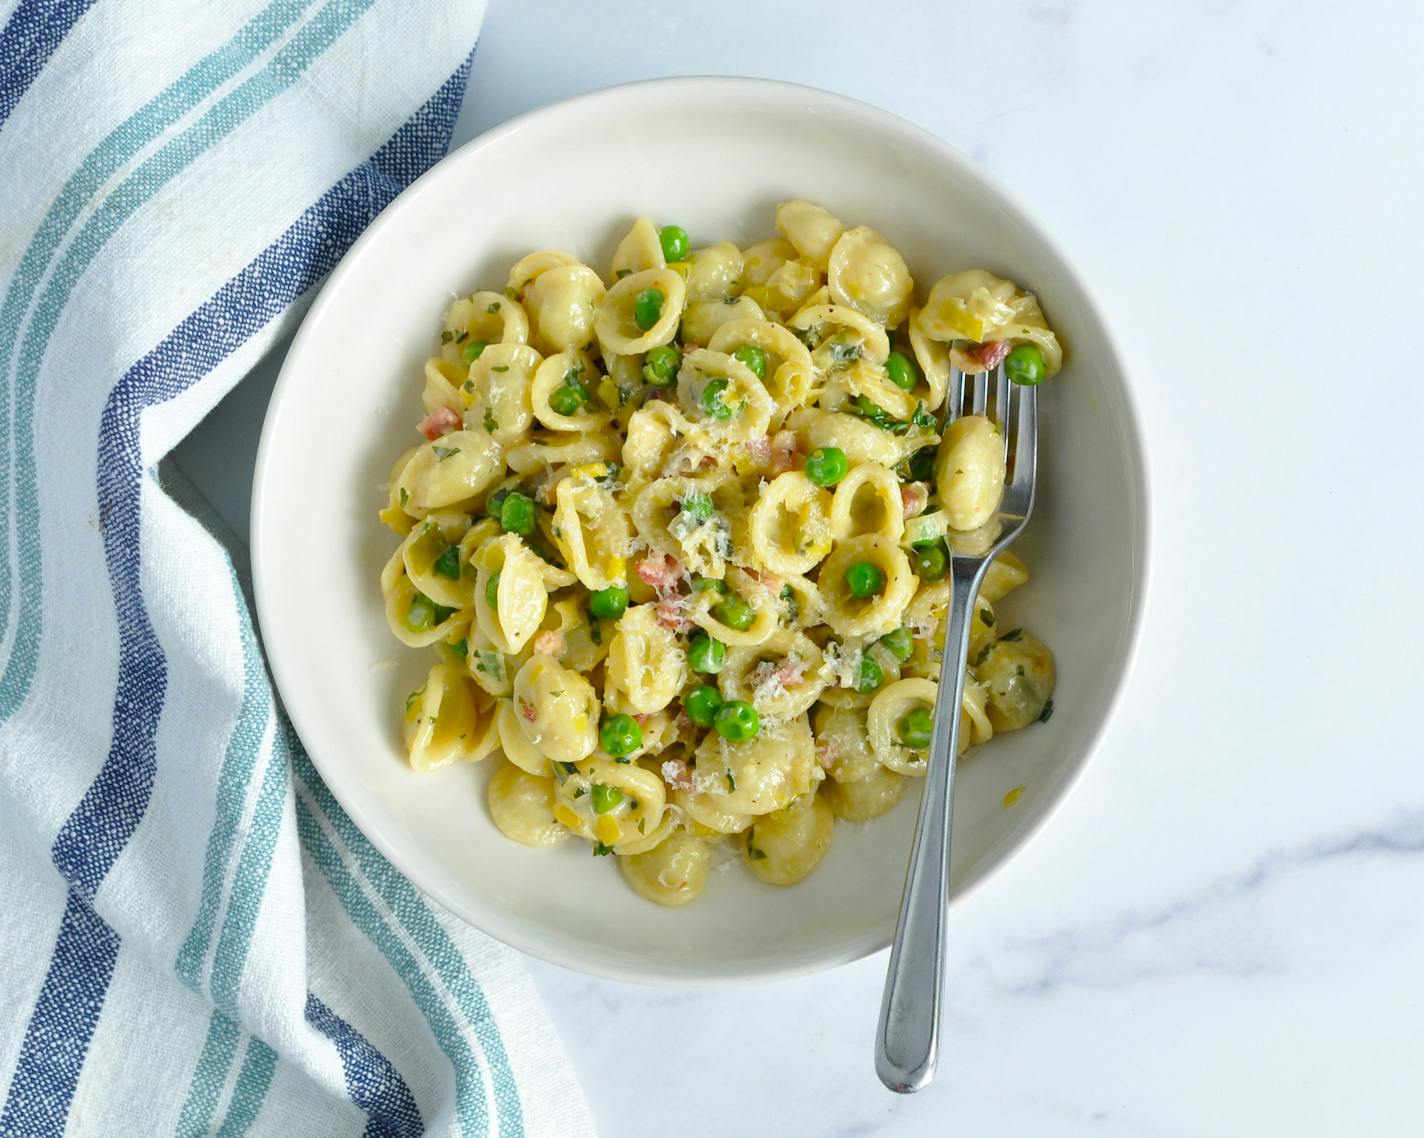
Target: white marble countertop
<point>1221,932</point>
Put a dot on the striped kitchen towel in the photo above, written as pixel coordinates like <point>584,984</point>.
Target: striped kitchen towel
<point>195,939</point>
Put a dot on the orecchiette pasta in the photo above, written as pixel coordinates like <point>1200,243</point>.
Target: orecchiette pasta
<point>621,324</point>
<point>646,664</point>
<point>672,873</point>
<point>679,539</point>
<point>868,273</point>
<point>448,719</point>
<point>522,806</point>
<point>639,251</point>
<point>561,302</point>
<point>783,847</point>
<point>791,525</point>
<point>970,471</point>
<point>811,229</point>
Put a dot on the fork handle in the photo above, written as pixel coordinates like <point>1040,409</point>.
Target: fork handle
<point>907,1042</point>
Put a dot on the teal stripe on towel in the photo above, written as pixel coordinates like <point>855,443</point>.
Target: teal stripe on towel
<point>238,767</point>
<point>415,916</point>
<point>250,882</point>
<point>251,1089</point>
<point>470,1105</point>
<point>214,1062</point>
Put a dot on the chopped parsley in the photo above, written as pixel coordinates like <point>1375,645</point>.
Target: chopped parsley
<point>442,453</point>
<point>987,617</point>
<point>843,354</point>
<point>793,608</point>
<point>492,309</point>
<point>404,495</point>
<point>600,850</point>
<point>461,648</point>
<point>731,781</point>
<point>487,662</point>
<point>446,336</point>
<point>462,337</point>
<point>491,424</point>
<point>415,695</point>
<point>1012,634</point>
<point>1047,712</point>
<point>752,852</point>
<point>448,563</point>
<point>921,417</point>
<point>500,367</point>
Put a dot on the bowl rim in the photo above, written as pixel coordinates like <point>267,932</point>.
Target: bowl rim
<point>489,920</point>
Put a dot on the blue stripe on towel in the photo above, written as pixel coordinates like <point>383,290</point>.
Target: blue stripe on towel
<point>58,1035</point>
<point>284,69</point>
<point>99,828</point>
<point>34,30</point>
<point>119,148</point>
<point>371,1080</point>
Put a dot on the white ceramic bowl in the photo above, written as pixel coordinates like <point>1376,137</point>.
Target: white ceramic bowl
<point>714,155</point>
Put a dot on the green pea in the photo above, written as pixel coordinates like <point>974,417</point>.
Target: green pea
<point>495,503</point>
<point>708,585</point>
<point>825,466</point>
<point>712,401</point>
<point>929,562</point>
<point>922,465</point>
<point>473,350</point>
<point>869,677</point>
<point>753,357</point>
<point>699,505</point>
<point>660,365</point>
<point>734,612</point>
<point>865,580</point>
<point>675,242</point>
<point>1026,365</point>
<point>737,720</point>
<point>609,603</point>
<point>916,728</point>
<point>620,735</point>
<point>565,401</point>
<point>492,591</point>
<point>901,371</point>
<point>701,704</point>
<point>706,655</point>
<point>647,307</point>
<point>604,798</point>
<point>900,643</point>
<point>517,513</point>
<point>448,563</point>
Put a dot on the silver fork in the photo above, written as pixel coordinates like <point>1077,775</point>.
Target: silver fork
<point>907,1043</point>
